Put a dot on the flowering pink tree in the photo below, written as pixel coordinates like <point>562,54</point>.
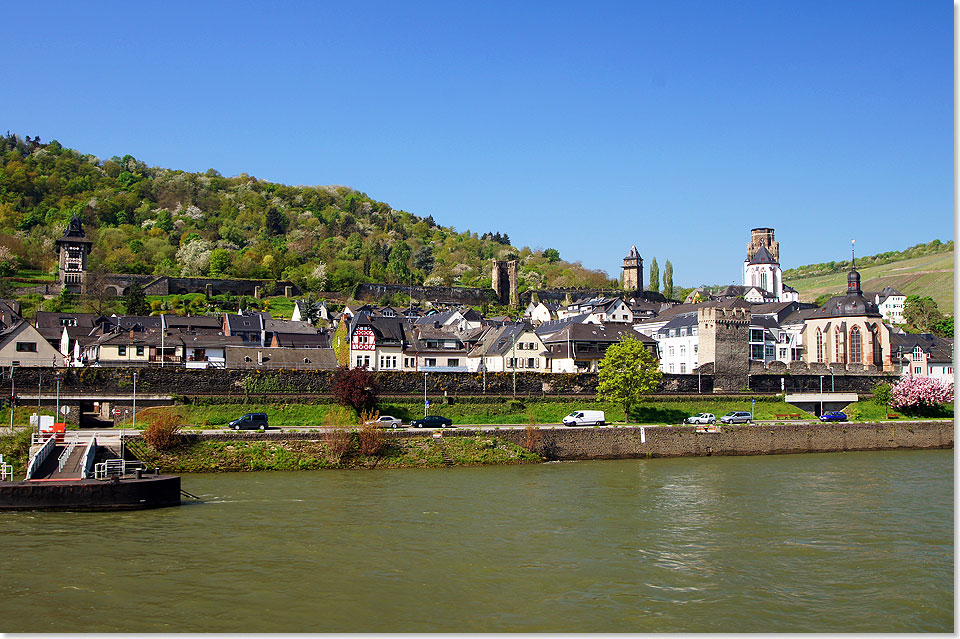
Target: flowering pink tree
<point>920,394</point>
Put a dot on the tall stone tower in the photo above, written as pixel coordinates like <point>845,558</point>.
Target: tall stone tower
<point>633,271</point>
<point>504,282</point>
<point>73,249</point>
<point>763,237</point>
<point>725,341</point>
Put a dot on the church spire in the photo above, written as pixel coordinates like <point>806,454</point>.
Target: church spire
<point>853,277</point>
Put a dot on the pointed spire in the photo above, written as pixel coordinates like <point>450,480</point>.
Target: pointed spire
<point>853,255</point>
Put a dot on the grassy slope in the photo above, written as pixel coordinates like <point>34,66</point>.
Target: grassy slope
<point>926,275</point>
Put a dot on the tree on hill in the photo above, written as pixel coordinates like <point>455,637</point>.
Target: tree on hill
<point>627,371</point>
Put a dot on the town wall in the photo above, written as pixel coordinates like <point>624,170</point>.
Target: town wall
<point>437,294</point>
<point>236,382</point>
<point>117,284</point>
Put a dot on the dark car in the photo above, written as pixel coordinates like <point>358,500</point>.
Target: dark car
<point>833,416</point>
<point>250,421</point>
<point>431,421</point>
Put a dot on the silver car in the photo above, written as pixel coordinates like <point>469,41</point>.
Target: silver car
<point>702,418</point>
<point>737,417</point>
<point>386,421</point>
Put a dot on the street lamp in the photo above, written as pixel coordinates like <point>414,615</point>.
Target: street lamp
<point>425,403</point>
<point>821,394</point>
<point>134,403</point>
<point>58,397</point>
<point>12,396</point>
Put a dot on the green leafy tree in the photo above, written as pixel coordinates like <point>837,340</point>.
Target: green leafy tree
<point>944,328</point>
<point>135,300</point>
<point>423,259</point>
<point>654,277</point>
<point>668,280</point>
<point>552,255</point>
<point>274,221</point>
<point>220,260</point>
<point>627,371</point>
<point>397,268</point>
<point>921,314</point>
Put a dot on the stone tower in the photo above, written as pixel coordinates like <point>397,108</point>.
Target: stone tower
<point>72,250</point>
<point>725,341</point>
<point>633,271</point>
<point>504,282</point>
<point>763,237</point>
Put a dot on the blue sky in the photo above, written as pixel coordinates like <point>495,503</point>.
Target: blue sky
<point>581,126</point>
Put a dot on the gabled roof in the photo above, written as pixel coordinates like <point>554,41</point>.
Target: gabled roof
<point>289,326</point>
<point>244,322</point>
<point>938,349</point>
<point>302,340</point>
<point>390,329</point>
<point>849,305</point>
<point>499,341</point>
<point>204,323</point>
<point>762,256</point>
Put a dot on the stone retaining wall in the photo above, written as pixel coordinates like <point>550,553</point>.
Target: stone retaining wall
<point>627,442</point>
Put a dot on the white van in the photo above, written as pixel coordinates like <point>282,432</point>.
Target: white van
<point>584,418</point>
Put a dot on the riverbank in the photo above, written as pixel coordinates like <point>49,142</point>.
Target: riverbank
<point>234,452</point>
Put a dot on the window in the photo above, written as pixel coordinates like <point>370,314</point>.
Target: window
<point>670,351</point>
<point>683,367</point>
<point>819,345</point>
<point>430,361</point>
<point>917,370</point>
<point>783,353</point>
<point>520,345</point>
<point>26,347</point>
<point>122,351</point>
<point>838,350</point>
<point>768,352</point>
<point>139,351</point>
<point>756,335</point>
<point>452,361</point>
<point>530,361</point>
<point>683,350</point>
<point>856,345</point>
<point>671,368</point>
<point>683,331</point>
<point>756,351</point>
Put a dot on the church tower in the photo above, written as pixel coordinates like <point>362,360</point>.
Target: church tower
<point>73,249</point>
<point>633,271</point>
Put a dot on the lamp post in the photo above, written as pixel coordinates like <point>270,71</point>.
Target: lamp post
<point>425,404</point>
<point>832,389</point>
<point>12,396</point>
<point>134,403</point>
<point>58,397</point>
<point>39,381</point>
<point>514,358</point>
<point>821,394</point>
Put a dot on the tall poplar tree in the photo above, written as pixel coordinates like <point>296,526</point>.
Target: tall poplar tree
<point>668,280</point>
<point>654,277</point>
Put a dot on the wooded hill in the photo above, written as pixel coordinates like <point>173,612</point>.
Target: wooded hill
<point>152,220</point>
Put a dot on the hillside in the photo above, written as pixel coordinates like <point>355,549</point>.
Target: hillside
<point>160,221</point>
<point>930,274</point>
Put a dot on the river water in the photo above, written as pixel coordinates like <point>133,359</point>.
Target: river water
<point>806,543</point>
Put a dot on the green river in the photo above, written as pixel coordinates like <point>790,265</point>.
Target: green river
<point>842,542</point>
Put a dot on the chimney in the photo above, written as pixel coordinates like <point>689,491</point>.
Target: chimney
<point>131,334</point>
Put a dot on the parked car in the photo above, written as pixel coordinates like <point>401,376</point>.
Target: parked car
<point>386,421</point>
<point>737,417</point>
<point>833,416</point>
<point>584,418</point>
<point>250,421</point>
<point>702,418</point>
<point>431,421</point>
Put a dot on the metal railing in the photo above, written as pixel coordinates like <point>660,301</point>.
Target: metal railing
<point>49,445</point>
<point>88,458</point>
<point>6,470</point>
<point>119,467</point>
<point>65,455</point>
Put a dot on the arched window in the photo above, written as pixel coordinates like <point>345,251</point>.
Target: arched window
<point>819,345</point>
<point>856,345</point>
<point>838,350</point>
